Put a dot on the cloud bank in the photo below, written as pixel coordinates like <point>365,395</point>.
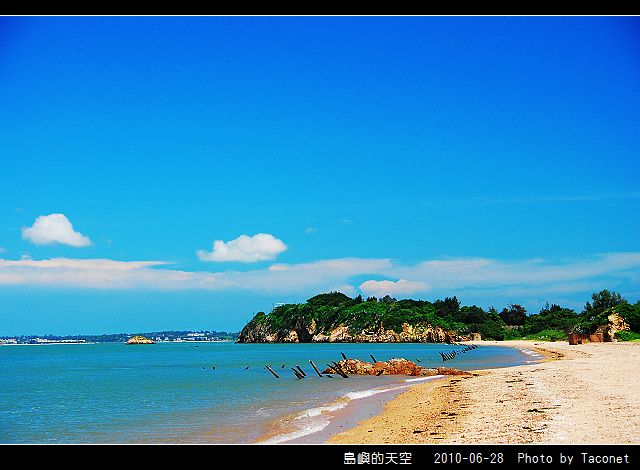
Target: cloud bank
<point>480,278</point>
<point>54,228</point>
<point>392,288</point>
<point>246,249</point>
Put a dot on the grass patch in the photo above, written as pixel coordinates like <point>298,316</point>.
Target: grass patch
<point>628,336</point>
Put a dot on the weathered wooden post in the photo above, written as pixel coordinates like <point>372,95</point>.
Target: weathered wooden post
<point>340,370</point>
<point>315,368</point>
<point>337,370</point>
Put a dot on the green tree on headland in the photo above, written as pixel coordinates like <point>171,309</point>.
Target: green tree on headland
<point>601,301</point>
<point>630,313</point>
<point>514,315</point>
<point>330,310</point>
<point>447,307</point>
<point>596,313</point>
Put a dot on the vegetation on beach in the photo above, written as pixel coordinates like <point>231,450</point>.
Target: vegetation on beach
<point>553,322</point>
<point>628,336</point>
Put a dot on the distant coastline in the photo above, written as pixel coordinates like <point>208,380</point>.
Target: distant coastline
<point>172,336</point>
<point>51,343</point>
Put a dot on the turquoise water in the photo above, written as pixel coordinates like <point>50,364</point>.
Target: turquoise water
<point>170,392</point>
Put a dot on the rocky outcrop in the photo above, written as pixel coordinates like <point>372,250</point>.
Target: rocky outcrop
<point>260,333</point>
<point>418,333</point>
<point>396,366</point>
<point>604,333</point>
<point>140,340</point>
<point>616,323</point>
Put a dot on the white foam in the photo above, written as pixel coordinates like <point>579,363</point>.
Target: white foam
<point>344,401</point>
<point>370,392</point>
<point>312,412</point>
<point>530,353</point>
<point>315,420</point>
<point>316,426</point>
<point>424,379</point>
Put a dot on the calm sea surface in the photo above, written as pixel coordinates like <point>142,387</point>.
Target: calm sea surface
<point>170,392</point>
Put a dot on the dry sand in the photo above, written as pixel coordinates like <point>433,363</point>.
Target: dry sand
<point>590,396</point>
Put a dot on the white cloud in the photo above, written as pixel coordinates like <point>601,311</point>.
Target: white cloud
<point>81,264</point>
<point>320,276</point>
<point>482,272</point>
<point>392,288</point>
<point>54,228</point>
<point>310,230</point>
<point>472,279</point>
<point>325,275</point>
<point>96,273</point>
<point>346,289</point>
<point>2,250</point>
<point>259,247</point>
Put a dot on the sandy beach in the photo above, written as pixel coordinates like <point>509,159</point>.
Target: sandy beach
<point>585,394</point>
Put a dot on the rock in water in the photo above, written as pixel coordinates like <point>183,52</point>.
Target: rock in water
<point>394,366</point>
<point>140,340</point>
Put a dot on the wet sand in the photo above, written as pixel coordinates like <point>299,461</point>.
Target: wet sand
<point>584,394</point>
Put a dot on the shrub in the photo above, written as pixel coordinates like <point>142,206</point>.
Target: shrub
<point>628,336</point>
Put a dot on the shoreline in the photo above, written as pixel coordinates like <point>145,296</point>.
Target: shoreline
<point>338,415</point>
<point>584,394</point>
<point>345,413</point>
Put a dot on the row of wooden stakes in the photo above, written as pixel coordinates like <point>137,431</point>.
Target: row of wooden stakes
<point>300,374</point>
<point>334,366</point>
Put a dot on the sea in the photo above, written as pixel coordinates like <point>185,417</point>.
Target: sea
<point>206,392</point>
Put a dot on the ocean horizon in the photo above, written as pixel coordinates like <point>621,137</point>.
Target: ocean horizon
<point>196,393</point>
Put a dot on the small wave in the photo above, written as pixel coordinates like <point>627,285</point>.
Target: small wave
<point>344,401</point>
<point>370,392</point>
<point>315,420</point>
<point>313,412</point>
<point>316,426</point>
<point>424,379</point>
<point>530,353</point>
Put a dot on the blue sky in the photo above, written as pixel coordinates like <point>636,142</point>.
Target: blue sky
<point>492,158</point>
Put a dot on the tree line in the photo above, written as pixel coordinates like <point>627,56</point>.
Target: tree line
<point>552,322</point>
